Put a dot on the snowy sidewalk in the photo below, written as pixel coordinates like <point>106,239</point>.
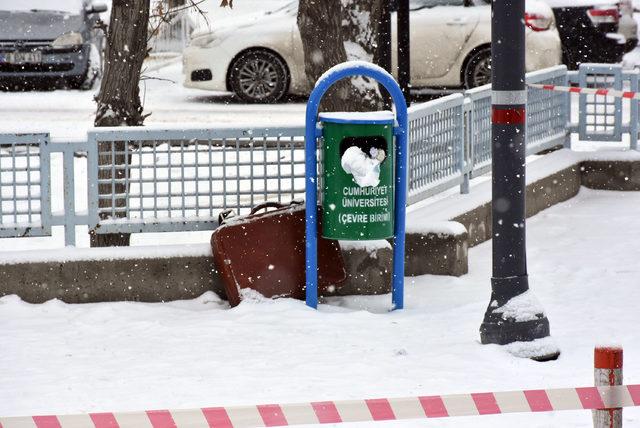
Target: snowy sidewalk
<point>58,358</point>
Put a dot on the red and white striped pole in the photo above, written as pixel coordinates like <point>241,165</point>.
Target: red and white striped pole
<point>607,371</point>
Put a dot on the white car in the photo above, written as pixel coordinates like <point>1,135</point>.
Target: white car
<point>260,58</point>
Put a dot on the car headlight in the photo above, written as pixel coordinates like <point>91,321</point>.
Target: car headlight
<point>68,40</point>
<point>203,41</point>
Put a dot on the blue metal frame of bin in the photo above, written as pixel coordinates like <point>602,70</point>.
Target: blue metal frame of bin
<point>312,133</point>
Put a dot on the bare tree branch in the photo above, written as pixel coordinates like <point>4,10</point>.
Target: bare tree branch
<point>165,17</point>
<point>162,79</point>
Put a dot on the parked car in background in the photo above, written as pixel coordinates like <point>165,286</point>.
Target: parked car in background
<point>260,58</point>
<point>451,41</point>
<point>45,43</point>
<point>594,30</point>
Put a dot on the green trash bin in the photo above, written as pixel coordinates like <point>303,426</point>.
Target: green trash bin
<point>358,173</point>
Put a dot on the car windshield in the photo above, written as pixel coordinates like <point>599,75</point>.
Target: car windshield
<point>64,6</point>
<point>422,4</point>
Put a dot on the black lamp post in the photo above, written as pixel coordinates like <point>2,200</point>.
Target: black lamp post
<point>384,50</point>
<point>404,44</point>
<point>509,96</point>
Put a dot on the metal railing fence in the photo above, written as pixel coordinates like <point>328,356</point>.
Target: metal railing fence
<point>25,208</point>
<point>547,118</point>
<point>602,118</point>
<point>547,112</point>
<point>177,180</point>
<point>166,180</point>
<point>436,146</point>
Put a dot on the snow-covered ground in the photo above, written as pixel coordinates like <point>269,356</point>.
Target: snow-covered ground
<point>59,358</point>
<point>67,114</point>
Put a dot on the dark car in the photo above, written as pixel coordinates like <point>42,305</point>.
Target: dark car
<point>594,30</point>
<point>46,43</point>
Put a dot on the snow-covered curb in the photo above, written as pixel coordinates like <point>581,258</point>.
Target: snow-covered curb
<point>440,228</point>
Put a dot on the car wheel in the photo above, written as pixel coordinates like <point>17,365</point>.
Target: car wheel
<point>478,69</point>
<point>259,77</point>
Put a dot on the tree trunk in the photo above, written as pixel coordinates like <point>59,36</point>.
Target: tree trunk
<point>119,100</point>
<point>361,23</point>
<point>327,42</point>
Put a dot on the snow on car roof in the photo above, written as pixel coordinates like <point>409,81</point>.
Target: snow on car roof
<point>73,6</point>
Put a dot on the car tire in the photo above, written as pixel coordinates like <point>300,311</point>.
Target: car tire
<point>259,76</point>
<point>477,71</point>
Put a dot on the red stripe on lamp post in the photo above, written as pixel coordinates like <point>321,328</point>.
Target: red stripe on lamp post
<point>509,116</point>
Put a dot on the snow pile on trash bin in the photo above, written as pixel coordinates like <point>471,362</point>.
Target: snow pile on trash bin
<point>365,168</point>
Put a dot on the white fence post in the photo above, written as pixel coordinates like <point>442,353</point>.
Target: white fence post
<point>633,114</point>
<point>466,143</point>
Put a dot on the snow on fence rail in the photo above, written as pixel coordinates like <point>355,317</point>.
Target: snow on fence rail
<point>368,410</point>
<point>166,180</point>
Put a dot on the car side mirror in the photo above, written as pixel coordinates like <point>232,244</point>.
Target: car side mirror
<point>96,8</point>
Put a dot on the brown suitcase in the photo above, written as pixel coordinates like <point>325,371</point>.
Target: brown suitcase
<point>266,252</point>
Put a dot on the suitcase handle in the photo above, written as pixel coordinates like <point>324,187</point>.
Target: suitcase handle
<point>276,205</point>
<point>225,215</point>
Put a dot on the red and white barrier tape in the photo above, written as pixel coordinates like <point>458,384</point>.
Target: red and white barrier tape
<point>273,415</point>
<point>588,91</point>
